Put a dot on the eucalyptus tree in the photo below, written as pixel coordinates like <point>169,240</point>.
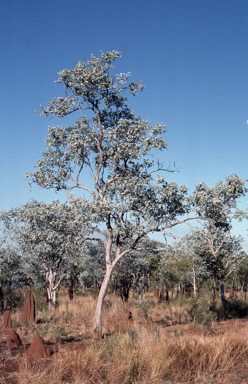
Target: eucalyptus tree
<point>114,145</point>
<point>241,273</point>
<point>12,273</point>
<point>195,267</point>
<point>217,251</point>
<point>11,268</point>
<point>220,203</point>
<point>174,267</point>
<point>50,238</point>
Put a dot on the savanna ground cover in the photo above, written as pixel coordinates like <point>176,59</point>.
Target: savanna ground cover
<point>177,342</point>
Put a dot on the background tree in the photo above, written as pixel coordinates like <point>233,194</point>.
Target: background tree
<point>195,266</point>
<point>218,251</point>
<point>50,238</point>
<point>241,273</point>
<point>12,271</point>
<point>113,144</point>
<point>174,268</point>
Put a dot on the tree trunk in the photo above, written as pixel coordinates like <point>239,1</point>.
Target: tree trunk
<point>194,285</point>
<point>51,298</point>
<point>9,284</point>
<point>140,296</point>
<point>124,290</point>
<point>98,314</point>
<point>222,295</point>
<point>51,288</point>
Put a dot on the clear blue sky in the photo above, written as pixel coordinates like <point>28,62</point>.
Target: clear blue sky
<point>190,54</point>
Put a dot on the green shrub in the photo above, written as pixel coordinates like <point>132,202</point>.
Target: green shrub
<point>236,309</point>
<point>201,312</point>
<point>16,300</point>
<point>147,306</point>
<point>40,299</point>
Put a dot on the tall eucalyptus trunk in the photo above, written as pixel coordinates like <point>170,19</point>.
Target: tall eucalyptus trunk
<point>99,306</point>
<point>97,331</point>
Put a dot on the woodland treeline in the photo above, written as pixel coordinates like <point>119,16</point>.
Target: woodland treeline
<point>42,246</point>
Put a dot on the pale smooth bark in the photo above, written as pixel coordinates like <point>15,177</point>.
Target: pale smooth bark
<point>98,313</point>
<point>97,331</point>
<point>51,288</point>
<point>194,282</point>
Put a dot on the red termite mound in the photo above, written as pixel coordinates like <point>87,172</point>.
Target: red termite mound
<point>28,314</point>
<point>38,348</point>
<point>7,320</point>
<point>13,340</point>
<point>129,317</point>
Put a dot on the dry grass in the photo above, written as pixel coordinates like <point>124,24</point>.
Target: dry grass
<point>142,353</point>
<point>149,360</point>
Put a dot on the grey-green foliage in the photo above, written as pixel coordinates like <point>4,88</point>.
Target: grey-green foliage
<point>217,252</point>
<point>12,272</point>
<point>209,250</point>
<point>48,236</point>
<point>241,272</point>
<point>93,272</point>
<point>220,203</point>
<point>196,268</point>
<point>11,264</point>
<point>177,266</point>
